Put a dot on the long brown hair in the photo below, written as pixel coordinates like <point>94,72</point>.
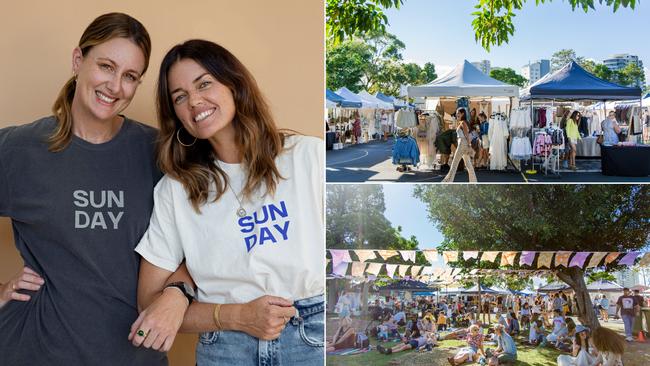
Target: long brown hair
<point>607,340</point>
<point>102,29</point>
<point>258,139</point>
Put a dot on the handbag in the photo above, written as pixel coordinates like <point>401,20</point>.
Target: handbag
<point>600,139</point>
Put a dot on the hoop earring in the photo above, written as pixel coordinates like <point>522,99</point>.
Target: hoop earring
<point>181,142</point>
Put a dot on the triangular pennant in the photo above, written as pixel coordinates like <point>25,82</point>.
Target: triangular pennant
<point>596,258</point>
<point>474,271</point>
<point>472,254</point>
<point>527,258</point>
<point>428,271</point>
<point>408,255</point>
<point>341,269</point>
<point>508,258</point>
<point>578,259</point>
<point>431,255</point>
<point>415,270</point>
<point>402,270</point>
<point>450,257</point>
<point>340,255</point>
<point>645,261</point>
<point>562,258</point>
<point>387,253</point>
<point>374,268</point>
<point>489,256</point>
<point>628,259</point>
<point>365,255</point>
<point>358,268</point>
<point>611,257</point>
<point>390,270</point>
<point>544,259</point>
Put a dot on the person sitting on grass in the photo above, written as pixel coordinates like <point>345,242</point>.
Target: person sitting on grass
<point>525,316</point>
<point>344,337</point>
<point>513,324</point>
<point>610,346</point>
<point>506,351</point>
<point>387,329</point>
<point>584,353</point>
<point>474,349</point>
<point>427,325</point>
<point>501,319</point>
<point>414,342</point>
<point>536,334</point>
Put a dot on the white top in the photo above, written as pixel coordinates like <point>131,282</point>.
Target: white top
<point>277,249</point>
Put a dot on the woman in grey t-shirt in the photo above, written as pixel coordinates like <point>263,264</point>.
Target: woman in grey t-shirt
<point>610,129</point>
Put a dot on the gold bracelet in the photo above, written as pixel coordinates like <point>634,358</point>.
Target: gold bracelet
<point>215,316</point>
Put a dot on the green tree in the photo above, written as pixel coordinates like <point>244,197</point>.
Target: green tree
<point>563,57</point>
<point>508,76</point>
<point>603,72</point>
<point>347,18</point>
<point>429,73</point>
<point>493,19</point>
<point>589,65</point>
<point>346,64</point>
<point>600,276</point>
<point>631,75</point>
<point>542,218</point>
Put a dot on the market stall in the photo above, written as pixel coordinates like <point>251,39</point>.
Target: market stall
<point>339,111</point>
<point>573,83</point>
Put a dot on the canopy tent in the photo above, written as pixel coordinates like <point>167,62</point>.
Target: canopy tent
<point>572,82</point>
<point>554,287</point>
<point>349,95</point>
<point>406,285</point>
<point>465,80</point>
<point>379,104</point>
<point>604,286</point>
<point>394,101</point>
<point>484,290</point>
<point>330,104</point>
<point>339,100</point>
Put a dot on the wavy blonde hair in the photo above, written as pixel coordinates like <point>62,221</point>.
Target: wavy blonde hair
<point>102,29</point>
<point>256,134</point>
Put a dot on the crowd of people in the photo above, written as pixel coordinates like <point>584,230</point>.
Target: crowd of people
<point>493,336</point>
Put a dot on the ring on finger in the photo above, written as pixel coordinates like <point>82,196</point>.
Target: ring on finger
<point>13,286</point>
<point>142,333</point>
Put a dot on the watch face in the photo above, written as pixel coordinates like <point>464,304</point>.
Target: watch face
<point>189,290</point>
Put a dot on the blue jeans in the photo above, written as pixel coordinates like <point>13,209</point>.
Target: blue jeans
<point>628,320</point>
<point>301,342</point>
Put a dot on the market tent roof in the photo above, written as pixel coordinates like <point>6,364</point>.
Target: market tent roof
<point>553,286</point>
<point>330,104</point>
<point>351,96</point>
<point>572,82</point>
<point>406,285</point>
<point>465,80</point>
<point>387,98</point>
<point>331,96</point>
<point>484,290</point>
<point>372,99</point>
<point>604,286</point>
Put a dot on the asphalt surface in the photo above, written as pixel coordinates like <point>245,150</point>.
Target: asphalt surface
<point>372,162</point>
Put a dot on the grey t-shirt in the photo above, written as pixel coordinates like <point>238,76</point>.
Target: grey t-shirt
<point>77,216</point>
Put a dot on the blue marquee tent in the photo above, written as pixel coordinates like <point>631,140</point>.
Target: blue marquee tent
<point>572,82</point>
<point>331,96</point>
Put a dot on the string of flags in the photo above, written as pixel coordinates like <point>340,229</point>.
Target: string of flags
<point>341,260</point>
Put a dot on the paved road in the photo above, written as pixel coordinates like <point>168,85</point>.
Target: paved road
<point>372,162</point>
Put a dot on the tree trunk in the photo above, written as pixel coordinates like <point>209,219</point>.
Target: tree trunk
<point>364,298</point>
<point>332,291</point>
<point>574,277</point>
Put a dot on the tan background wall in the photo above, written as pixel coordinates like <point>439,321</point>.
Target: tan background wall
<point>280,41</point>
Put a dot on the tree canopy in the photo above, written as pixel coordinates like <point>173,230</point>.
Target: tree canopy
<point>508,76</point>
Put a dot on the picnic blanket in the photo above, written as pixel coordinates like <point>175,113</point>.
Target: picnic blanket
<point>348,351</point>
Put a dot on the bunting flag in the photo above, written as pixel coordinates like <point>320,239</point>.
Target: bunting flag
<point>427,271</point>
<point>489,256</point>
<point>455,272</point>
<point>508,258</point>
<point>358,268</point>
<point>438,272</point>
<point>544,259</point>
<point>595,259</point>
<point>628,259</point>
<point>415,270</point>
<point>474,271</point>
<point>408,255</point>
<point>374,268</point>
<point>645,261</point>
<point>470,254</point>
<point>527,258</point>
<point>390,270</point>
<point>340,255</point>
<point>364,255</point>
<point>387,253</point>
<point>562,258</point>
<point>611,257</point>
<point>372,277</point>
<point>402,270</point>
<point>431,255</point>
<point>341,269</point>
<point>450,257</point>
<point>579,259</point>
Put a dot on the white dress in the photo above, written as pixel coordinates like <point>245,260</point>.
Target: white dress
<point>498,134</point>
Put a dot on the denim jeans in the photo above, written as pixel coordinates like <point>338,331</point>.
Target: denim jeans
<point>301,342</point>
<point>628,321</point>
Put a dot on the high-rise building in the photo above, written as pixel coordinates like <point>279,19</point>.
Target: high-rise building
<point>627,278</point>
<point>484,66</point>
<point>535,70</point>
<point>619,61</point>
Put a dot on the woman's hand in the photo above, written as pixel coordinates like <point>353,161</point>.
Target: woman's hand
<point>264,317</point>
<point>160,322</point>
<point>26,279</point>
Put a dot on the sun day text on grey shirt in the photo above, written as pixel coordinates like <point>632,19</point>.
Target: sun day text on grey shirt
<point>101,210</point>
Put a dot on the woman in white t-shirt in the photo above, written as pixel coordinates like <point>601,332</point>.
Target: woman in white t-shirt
<point>240,206</point>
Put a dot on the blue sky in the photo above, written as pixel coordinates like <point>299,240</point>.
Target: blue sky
<point>402,209</point>
<point>440,31</point>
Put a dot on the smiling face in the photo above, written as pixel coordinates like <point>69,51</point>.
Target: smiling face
<point>107,78</point>
<point>205,106</point>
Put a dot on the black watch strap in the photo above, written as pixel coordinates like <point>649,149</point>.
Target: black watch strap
<point>185,289</point>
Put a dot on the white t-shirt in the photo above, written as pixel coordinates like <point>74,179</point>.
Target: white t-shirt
<point>277,249</point>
